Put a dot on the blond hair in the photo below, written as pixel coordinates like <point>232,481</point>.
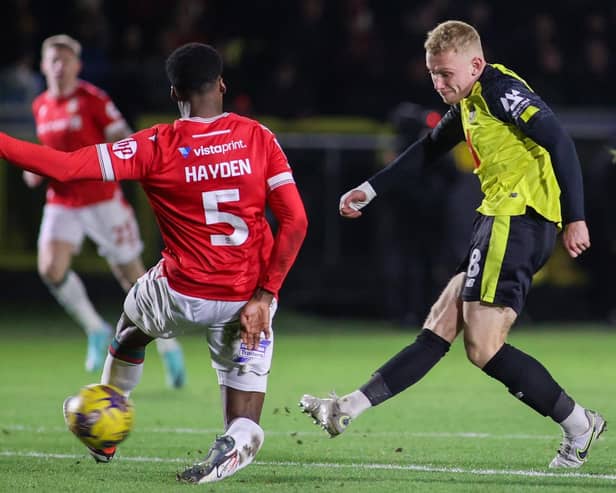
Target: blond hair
<point>452,35</point>
<point>62,40</point>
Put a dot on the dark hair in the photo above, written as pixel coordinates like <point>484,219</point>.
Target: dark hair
<point>191,67</point>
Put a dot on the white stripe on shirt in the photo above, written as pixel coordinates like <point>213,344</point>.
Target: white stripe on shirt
<point>279,180</point>
<point>104,160</point>
<point>209,134</point>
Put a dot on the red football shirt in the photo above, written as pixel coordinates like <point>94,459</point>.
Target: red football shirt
<point>69,123</point>
<point>208,181</point>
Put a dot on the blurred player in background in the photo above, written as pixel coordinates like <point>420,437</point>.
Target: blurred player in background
<point>71,114</point>
<point>209,177</point>
<point>532,182</point>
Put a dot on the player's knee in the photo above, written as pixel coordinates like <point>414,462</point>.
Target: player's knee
<point>128,336</point>
<point>480,350</point>
<point>486,329</point>
<point>51,273</point>
<point>476,354</point>
<point>51,269</point>
<point>443,324</point>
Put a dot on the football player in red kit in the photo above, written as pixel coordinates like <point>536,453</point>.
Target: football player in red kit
<point>70,114</point>
<point>209,177</point>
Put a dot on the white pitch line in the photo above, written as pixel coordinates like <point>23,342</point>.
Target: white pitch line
<point>419,434</point>
<point>325,465</point>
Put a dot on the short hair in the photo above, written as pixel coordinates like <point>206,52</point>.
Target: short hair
<point>193,67</point>
<point>63,40</point>
<point>452,35</point>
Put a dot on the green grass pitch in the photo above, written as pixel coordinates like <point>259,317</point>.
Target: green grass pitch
<point>455,431</point>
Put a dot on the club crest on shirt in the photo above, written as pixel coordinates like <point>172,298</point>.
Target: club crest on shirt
<point>125,149</point>
<point>72,105</point>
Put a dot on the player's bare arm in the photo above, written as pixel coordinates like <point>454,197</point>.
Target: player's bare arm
<point>32,180</point>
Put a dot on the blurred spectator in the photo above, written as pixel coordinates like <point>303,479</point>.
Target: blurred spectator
<point>309,41</point>
<point>360,59</point>
<point>549,77</point>
<point>598,75</point>
<point>188,25</point>
<point>323,57</point>
<point>127,84</point>
<point>287,94</point>
<point>92,27</point>
<point>19,82</point>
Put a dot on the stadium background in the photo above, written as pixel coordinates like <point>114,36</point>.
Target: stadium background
<point>328,78</point>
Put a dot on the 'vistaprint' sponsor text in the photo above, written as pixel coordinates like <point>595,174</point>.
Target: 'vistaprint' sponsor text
<point>219,148</point>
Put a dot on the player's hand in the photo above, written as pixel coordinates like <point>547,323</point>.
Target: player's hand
<point>576,238</point>
<point>356,199</point>
<point>255,318</point>
<point>348,201</point>
<point>32,180</point>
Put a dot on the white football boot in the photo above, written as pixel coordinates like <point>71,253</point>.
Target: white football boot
<point>326,413</point>
<point>573,450</point>
<point>222,461</point>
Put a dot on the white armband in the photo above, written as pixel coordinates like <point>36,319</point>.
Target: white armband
<point>357,205</point>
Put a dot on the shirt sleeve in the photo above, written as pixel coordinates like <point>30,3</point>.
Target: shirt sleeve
<point>278,163</point>
<point>123,160</point>
<point>132,158</point>
<point>511,101</point>
<point>286,204</point>
<point>425,151</point>
<point>518,105</point>
<point>550,134</point>
<point>106,114</point>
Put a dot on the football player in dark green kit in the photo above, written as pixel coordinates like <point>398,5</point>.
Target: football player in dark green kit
<point>532,184</point>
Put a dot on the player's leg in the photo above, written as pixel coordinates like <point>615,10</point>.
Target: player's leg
<point>114,229</point>
<point>501,270</point>
<point>169,349</point>
<point>123,369</point>
<point>124,363</point>
<point>128,272</point>
<point>148,313</point>
<point>172,355</point>
<point>242,376</point>
<point>60,238</point>
<point>529,381</point>
<point>403,370</point>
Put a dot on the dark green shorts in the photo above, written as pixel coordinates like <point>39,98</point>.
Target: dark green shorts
<point>504,254</point>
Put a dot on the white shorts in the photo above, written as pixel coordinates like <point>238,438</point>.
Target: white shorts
<point>111,225</point>
<point>159,311</point>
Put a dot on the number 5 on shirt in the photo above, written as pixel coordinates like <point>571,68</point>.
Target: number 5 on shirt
<point>214,216</point>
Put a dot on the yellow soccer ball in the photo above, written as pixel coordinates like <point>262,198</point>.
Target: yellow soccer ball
<point>99,415</point>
